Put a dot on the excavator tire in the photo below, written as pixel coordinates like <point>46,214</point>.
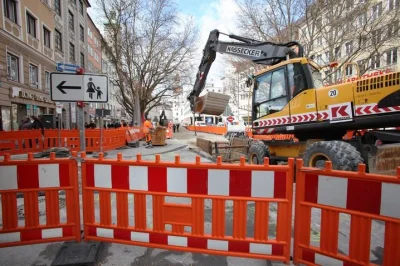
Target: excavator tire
<point>343,155</point>
<point>257,152</point>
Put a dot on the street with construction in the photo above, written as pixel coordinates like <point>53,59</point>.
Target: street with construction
<point>199,133</point>
<point>248,205</point>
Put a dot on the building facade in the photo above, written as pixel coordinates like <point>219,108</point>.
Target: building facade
<point>70,42</point>
<point>93,47</point>
<point>27,56</point>
<point>367,34</point>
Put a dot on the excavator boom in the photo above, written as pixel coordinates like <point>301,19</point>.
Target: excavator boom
<point>265,53</point>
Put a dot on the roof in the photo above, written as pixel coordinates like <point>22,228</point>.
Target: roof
<point>91,20</point>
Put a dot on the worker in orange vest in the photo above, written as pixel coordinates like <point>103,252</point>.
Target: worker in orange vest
<point>147,129</point>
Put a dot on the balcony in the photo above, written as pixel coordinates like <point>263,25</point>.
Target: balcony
<point>32,41</point>
<point>12,28</point>
<point>48,52</point>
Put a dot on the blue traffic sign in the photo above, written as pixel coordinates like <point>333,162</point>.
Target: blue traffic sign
<point>62,67</point>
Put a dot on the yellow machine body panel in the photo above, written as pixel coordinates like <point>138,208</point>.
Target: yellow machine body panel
<point>334,104</point>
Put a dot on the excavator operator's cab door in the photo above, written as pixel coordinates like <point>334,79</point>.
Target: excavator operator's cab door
<point>270,97</point>
<point>303,108</point>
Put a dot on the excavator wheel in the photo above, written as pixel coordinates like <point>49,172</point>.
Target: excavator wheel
<point>257,152</point>
<point>343,155</point>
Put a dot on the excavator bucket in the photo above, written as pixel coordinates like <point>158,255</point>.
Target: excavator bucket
<point>211,103</point>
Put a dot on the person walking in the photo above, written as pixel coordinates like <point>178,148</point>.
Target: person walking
<point>174,127</point>
<point>177,127</point>
<point>147,129</point>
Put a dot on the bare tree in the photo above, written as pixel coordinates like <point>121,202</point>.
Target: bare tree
<point>272,20</point>
<point>330,30</point>
<point>345,31</point>
<point>148,44</point>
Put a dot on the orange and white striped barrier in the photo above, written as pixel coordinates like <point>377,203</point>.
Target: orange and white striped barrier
<point>365,197</point>
<point>28,178</point>
<point>197,181</point>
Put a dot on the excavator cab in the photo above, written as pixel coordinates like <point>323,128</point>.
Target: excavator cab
<point>275,87</point>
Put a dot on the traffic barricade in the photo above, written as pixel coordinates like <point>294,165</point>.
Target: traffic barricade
<point>127,202</point>
<point>67,138</point>
<point>113,139</point>
<point>136,133</point>
<point>363,197</point>
<point>22,141</point>
<point>34,195</point>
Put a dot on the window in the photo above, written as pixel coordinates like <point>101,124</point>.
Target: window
<point>375,61</point>
<point>46,37</point>
<point>72,2</point>
<point>362,19</point>
<point>71,53</point>
<point>393,29</point>
<point>12,67</point>
<point>10,10</point>
<point>33,76</point>
<point>391,56</point>
<point>82,60</point>
<point>271,93</point>
<point>361,65</point>
<point>376,36</point>
<point>278,84</point>
<point>349,70</point>
<point>349,48</point>
<point>71,21</point>
<point>81,7</point>
<point>47,80</point>
<point>393,4</point>
<point>318,23</point>
<point>57,7</point>
<point>377,11</point>
<point>319,59</point>
<point>263,88</point>
<point>338,52</point>
<point>58,40</point>
<point>31,24</point>
<point>82,33</point>
<point>349,4</point>
<point>363,41</point>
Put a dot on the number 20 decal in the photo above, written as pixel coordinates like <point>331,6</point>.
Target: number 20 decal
<point>333,93</point>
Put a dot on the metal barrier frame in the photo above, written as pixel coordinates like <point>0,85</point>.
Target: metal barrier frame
<point>18,176</point>
<point>367,197</point>
<point>180,215</point>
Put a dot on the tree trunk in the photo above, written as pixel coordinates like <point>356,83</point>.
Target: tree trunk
<point>137,113</point>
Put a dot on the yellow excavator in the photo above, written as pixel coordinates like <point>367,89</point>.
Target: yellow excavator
<point>289,98</point>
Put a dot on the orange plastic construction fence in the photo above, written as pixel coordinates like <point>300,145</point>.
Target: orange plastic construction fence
<point>364,197</point>
<point>37,187</point>
<point>205,188</point>
<point>23,141</point>
<point>69,139</point>
<point>26,141</point>
<point>208,129</point>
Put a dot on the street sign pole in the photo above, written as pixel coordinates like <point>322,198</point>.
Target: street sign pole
<point>59,130</point>
<point>101,127</point>
<point>81,126</point>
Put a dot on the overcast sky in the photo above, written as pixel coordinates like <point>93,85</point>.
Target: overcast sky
<point>208,15</point>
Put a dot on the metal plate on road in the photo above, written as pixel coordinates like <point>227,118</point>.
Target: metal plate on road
<point>68,87</point>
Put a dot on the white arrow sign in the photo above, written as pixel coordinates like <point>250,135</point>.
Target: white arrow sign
<point>68,87</point>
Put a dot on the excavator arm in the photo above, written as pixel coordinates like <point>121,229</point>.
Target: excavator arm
<point>265,53</point>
